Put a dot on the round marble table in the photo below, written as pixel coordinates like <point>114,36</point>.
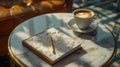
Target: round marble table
<point>97,51</point>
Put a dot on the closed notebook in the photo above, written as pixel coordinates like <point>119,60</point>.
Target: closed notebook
<point>52,45</point>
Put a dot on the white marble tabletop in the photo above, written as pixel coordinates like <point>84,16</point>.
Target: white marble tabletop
<point>96,51</point>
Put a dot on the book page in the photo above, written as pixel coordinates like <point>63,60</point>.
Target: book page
<point>62,43</point>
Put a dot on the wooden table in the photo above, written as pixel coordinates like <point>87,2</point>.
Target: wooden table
<point>98,50</point>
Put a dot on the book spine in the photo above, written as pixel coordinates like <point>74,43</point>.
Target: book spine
<point>38,53</point>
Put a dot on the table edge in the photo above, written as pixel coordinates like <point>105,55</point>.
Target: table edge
<point>107,63</point>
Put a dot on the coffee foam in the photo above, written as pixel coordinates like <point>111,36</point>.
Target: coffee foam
<point>83,14</point>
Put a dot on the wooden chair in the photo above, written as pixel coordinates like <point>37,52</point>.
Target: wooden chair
<point>13,12</point>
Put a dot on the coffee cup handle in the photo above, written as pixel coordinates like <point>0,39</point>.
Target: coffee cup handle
<point>95,16</point>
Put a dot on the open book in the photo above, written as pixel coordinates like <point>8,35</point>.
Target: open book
<point>52,45</point>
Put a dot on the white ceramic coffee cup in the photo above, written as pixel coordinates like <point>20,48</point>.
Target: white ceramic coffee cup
<point>83,18</point>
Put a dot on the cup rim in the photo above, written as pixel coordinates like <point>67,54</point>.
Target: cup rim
<point>84,9</point>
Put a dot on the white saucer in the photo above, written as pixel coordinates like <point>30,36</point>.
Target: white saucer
<point>74,27</point>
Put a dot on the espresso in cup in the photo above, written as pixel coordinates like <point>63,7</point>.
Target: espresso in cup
<point>83,14</point>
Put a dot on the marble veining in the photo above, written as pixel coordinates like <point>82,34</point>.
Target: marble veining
<point>96,51</point>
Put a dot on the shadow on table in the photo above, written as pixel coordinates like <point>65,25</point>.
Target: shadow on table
<point>82,52</point>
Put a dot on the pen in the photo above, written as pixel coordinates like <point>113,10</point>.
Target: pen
<point>52,45</point>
